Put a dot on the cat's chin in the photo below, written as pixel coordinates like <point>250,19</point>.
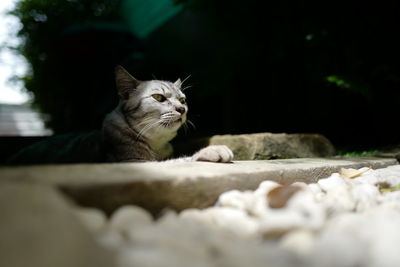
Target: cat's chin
<point>175,125</point>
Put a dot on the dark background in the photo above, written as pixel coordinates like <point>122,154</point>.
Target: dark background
<point>284,66</point>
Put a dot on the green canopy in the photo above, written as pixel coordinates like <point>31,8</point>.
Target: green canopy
<point>145,16</point>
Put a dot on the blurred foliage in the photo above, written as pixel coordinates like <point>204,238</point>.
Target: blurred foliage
<point>69,44</point>
<point>353,154</point>
<point>338,81</point>
<point>286,66</point>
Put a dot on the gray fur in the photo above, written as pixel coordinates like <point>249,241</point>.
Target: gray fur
<point>147,117</point>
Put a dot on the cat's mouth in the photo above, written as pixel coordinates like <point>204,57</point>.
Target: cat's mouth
<point>170,120</point>
<point>173,123</point>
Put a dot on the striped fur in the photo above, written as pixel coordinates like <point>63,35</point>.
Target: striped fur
<point>143,123</point>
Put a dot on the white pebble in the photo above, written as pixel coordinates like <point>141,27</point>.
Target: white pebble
<point>94,219</point>
<point>332,182</point>
<point>126,217</point>
<point>111,239</point>
<point>228,219</point>
<point>365,195</point>
<point>334,222</point>
<point>300,241</point>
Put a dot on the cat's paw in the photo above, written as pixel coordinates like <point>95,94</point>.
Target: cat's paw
<point>214,154</point>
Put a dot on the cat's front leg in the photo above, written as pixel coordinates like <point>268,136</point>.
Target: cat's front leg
<point>214,154</point>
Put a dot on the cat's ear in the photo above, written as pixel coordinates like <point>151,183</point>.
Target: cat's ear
<point>125,82</point>
<point>178,83</point>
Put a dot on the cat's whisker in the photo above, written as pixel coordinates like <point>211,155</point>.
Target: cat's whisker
<point>145,121</point>
<point>191,124</point>
<point>185,128</point>
<point>184,80</point>
<point>186,87</point>
<point>146,128</point>
<point>167,117</point>
<point>141,132</point>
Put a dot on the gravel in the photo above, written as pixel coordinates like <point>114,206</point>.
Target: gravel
<point>351,218</point>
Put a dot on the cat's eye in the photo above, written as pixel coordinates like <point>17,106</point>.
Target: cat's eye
<point>182,100</point>
<point>159,98</point>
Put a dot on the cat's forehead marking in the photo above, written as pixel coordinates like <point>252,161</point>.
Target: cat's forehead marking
<point>166,88</point>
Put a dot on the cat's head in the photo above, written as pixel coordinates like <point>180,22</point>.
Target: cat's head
<point>152,107</point>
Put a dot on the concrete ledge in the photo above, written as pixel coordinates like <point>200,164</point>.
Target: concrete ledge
<point>159,185</point>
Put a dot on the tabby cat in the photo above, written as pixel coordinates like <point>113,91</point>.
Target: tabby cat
<point>147,117</point>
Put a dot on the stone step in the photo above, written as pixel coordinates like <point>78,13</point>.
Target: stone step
<point>160,185</point>
<point>38,228</point>
<point>263,146</point>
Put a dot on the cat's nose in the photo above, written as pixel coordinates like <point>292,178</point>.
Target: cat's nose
<point>181,110</point>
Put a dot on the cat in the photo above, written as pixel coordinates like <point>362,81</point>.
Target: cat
<point>147,117</point>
